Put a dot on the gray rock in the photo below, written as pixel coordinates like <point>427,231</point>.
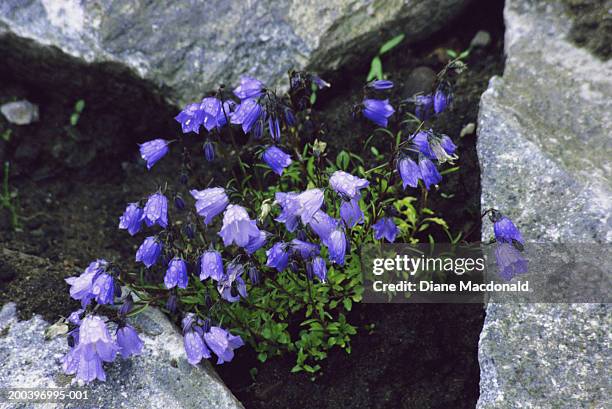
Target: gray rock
<point>160,378</point>
<point>20,112</point>
<point>420,80</point>
<point>481,39</point>
<point>544,148</point>
<point>189,47</point>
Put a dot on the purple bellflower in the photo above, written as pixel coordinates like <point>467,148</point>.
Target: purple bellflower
<point>346,184</point>
<point>274,127</point>
<point>378,111</point>
<point>278,256</point>
<point>75,316</point>
<point>305,249</point>
<point>224,286</point>
<point>510,261</point>
<point>351,213</point>
<point>249,88</point>
<point>131,220</point>
<point>336,244</point>
<point>429,173</point>
<point>195,348</point>
<point>254,275</point>
<point>222,343</point>
<point>409,172</point>
<point>190,118</point>
<point>386,228</point>
<point>213,113</point>
<point>255,243</point>
<point>103,289</point>
<point>381,85</point>
<point>442,98</point>
<point>276,159</point>
<point>156,210</point>
<point>319,82</point>
<point>421,142</point>
<point>154,150</point>
<point>319,268</point>
<point>149,251</point>
<point>210,202</point>
<point>176,274</point>
<point>81,286</point>
<point>237,227</point>
<point>298,205</point>
<point>323,225</point>
<point>128,341</point>
<point>247,114</point>
<point>94,347</point>
<point>505,231</point>
<point>423,107</point>
<point>209,151</point>
<point>211,265</point>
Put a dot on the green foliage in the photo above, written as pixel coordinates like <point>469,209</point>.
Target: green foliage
<point>376,68</point>
<point>79,106</point>
<point>8,199</point>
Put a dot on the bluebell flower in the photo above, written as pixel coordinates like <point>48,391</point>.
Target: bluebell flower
<point>386,228</point>
<point>195,349</point>
<point>255,243</point>
<point>274,127</point>
<point>429,173</point>
<point>310,201</point>
<point>176,274</point>
<point>247,114</point>
<point>75,316</point>
<point>276,159</point>
<point>210,202</point>
<point>156,210</point>
<point>510,261</point>
<point>103,289</point>
<point>126,307</point>
<point>319,82</point>
<point>447,144</point>
<point>305,249</point>
<point>209,151</point>
<point>131,220</point>
<point>346,184</point>
<point>289,117</point>
<point>336,244</point>
<point>128,341</point>
<point>505,231</point>
<point>300,206</point>
<point>319,268</point>
<point>154,150</point>
<point>278,256</point>
<point>351,213</point>
<point>224,286</point>
<point>381,85</point>
<point>179,203</point>
<point>222,343</point>
<point>249,88</point>
<point>172,303</point>
<point>422,142</point>
<point>423,107</point>
<point>323,225</point>
<point>81,286</point>
<point>378,111</point>
<point>409,172</point>
<point>442,98</point>
<point>211,265</point>
<point>94,347</point>
<point>149,251</point>
<point>213,113</point>
<point>237,227</point>
<point>190,118</point>
<point>254,275</point>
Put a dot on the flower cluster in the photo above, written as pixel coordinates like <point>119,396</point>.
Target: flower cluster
<point>509,246</point>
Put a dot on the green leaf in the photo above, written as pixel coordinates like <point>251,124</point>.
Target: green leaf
<point>376,70</point>
<point>451,53</point>
<point>262,356</point>
<point>391,44</point>
<point>74,119</point>
<point>342,160</point>
<point>79,106</point>
<point>348,304</point>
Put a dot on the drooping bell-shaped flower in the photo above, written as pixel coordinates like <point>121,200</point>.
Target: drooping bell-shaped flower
<point>224,286</point>
<point>81,286</point>
<point>323,225</point>
<point>210,202</point>
<point>255,243</point>
<point>278,256</point>
<point>176,274</point>
<point>131,220</point>
<point>94,347</point>
<point>156,210</point>
<point>290,209</point>
<point>305,249</point>
<point>237,227</point>
<point>254,275</point>
<point>385,228</point>
<point>103,289</point>
<point>247,114</point>
<point>276,159</point>
<point>409,172</point>
<point>190,118</point>
<point>149,251</point>
<point>510,261</point>
<point>442,98</point>
<point>346,184</point>
<point>423,107</point>
<point>351,213</point>
<point>213,113</point>
<point>429,173</point>
<point>128,341</point>
<point>505,231</point>
<point>249,88</point>
<point>377,111</point>
<point>222,343</point>
<point>319,268</point>
<point>154,150</point>
<point>422,143</point>
<point>211,265</point>
<point>195,349</point>
<point>274,128</point>
<point>447,144</point>
<point>336,244</point>
<point>381,85</point>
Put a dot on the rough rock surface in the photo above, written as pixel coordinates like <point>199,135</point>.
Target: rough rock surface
<point>544,147</point>
<point>160,378</point>
<point>189,47</point>
<point>20,112</point>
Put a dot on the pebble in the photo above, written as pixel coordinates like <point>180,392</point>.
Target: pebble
<point>481,39</point>
<point>468,129</point>
<point>20,112</point>
<point>420,80</point>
